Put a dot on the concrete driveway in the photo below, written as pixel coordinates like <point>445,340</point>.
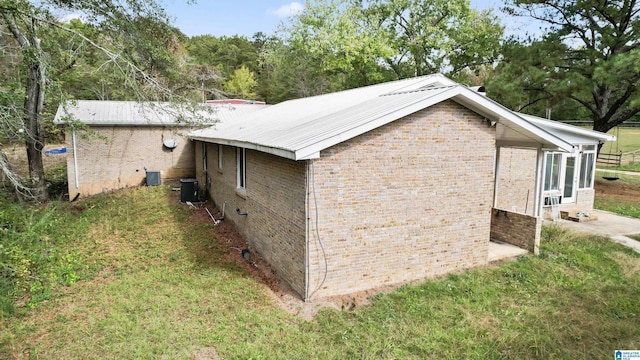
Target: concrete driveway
<point>608,224</point>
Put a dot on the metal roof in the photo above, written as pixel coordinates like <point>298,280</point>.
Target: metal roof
<point>300,129</point>
<point>573,134</point>
<point>133,113</point>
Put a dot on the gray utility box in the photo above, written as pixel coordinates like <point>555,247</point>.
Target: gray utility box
<point>153,178</point>
<point>189,190</point>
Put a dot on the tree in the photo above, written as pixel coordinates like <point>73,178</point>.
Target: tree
<point>445,36</point>
<point>242,83</point>
<point>591,57</point>
<point>349,43</point>
<point>133,27</point>
<point>226,53</point>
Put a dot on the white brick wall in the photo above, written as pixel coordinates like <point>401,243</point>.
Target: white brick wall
<point>114,157</point>
<point>409,200</point>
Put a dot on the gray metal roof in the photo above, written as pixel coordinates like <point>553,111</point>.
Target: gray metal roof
<point>573,134</point>
<point>133,113</point>
<point>300,129</point>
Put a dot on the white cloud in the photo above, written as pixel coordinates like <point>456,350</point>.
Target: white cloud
<point>287,10</point>
<point>68,17</point>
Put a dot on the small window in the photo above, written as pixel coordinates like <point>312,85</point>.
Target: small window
<point>586,170</point>
<point>242,167</point>
<point>220,157</point>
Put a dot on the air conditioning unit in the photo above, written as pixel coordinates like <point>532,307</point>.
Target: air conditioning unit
<point>153,178</point>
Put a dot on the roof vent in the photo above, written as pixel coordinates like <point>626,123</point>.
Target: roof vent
<point>479,89</point>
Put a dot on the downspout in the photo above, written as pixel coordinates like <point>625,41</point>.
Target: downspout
<point>537,194</point>
<point>496,179</point>
<point>75,159</point>
<point>306,235</point>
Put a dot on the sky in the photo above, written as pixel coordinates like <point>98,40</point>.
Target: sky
<point>246,17</point>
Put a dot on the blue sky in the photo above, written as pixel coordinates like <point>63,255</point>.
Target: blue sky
<point>247,17</point>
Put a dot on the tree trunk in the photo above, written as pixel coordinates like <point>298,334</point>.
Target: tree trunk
<point>33,101</point>
<point>33,104</point>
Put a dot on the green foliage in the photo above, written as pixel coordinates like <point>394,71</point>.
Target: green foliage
<point>588,58</point>
<point>242,83</point>
<point>344,44</point>
<point>226,53</point>
<point>437,36</point>
<point>122,49</point>
<point>32,262</point>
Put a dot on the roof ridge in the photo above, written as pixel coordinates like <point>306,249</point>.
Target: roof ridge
<point>424,88</point>
<point>399,81</point>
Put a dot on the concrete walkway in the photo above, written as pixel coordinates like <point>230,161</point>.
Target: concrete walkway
<point>501,251</point>
<point>608,224</point>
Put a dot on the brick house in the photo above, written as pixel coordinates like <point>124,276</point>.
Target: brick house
<point>375,186</point>
<point>120,139</point>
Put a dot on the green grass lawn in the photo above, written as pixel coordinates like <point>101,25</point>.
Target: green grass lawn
<point>149,282</point>
<point>621,196</point>
<point>628,140</point>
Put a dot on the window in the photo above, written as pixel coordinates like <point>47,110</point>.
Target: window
<point>552,171</point>
<point>586,168</point>
<point>204,157</point>
<point>242,167</point>
<point>220,157</point>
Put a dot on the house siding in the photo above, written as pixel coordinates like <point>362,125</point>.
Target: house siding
<point>409,200</point>
<point>115,157</point>
<point>274,201</point>
<point>516,180</point>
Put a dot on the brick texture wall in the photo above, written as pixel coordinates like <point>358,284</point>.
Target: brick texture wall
<point>115,157</point>
<point>274,201</point>
<point>406,201</point>
<point>516,229</point>
<point>517,179</point>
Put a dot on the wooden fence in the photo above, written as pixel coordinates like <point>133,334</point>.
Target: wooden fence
<point>609,159</point>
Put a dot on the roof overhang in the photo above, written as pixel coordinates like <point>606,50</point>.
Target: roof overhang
<point>248,145</point>
<point>512,130</point>
<point>575,134</point>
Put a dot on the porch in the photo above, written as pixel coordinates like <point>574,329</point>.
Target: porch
<point>501,251</point>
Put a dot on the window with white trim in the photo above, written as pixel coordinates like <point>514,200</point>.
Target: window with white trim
<point>241,164</point>
<point>587,167</point>
<point>220,157</point>
<point>552,171</point>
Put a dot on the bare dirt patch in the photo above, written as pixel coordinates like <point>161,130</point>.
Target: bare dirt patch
<point>618,189</point>
<point>17,155</point>
<point>205,354</point>
<point>261,271</point>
